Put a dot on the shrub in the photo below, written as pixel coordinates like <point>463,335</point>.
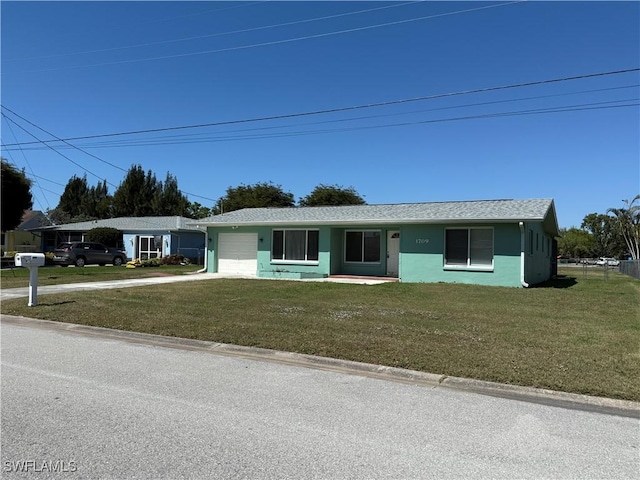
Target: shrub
<point>111,237</point>
<point>151,262</point>
<point>175,259</point>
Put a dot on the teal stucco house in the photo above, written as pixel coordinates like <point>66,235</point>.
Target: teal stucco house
<point>495,242</point>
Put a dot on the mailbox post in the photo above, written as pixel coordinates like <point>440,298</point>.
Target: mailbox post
<point>31,261</point>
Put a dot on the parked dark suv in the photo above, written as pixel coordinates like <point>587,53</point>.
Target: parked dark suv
<point>87,253</point>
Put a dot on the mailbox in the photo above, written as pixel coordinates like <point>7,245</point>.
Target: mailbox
<point>29,260</point>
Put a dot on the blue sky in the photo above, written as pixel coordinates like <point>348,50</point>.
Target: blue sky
<point>79,69</point>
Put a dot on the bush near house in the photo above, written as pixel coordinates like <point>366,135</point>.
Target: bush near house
<point>175,259</point>
<point>111,237</point>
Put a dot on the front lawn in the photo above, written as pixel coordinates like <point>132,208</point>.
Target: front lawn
<point>53,275</point>
<point>579,334</point>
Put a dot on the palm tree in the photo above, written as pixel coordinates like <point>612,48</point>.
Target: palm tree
<point>628,220</point>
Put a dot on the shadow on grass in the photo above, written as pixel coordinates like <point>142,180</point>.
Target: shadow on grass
<point>53,304</point>
<point>561,281</point>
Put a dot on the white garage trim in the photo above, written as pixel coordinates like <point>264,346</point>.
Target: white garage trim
<point>238,253</point>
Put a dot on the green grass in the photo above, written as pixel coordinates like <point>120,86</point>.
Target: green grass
<point>579,334</point>
<point>54,275</point>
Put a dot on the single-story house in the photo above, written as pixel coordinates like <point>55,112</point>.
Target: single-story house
<point>495,242</point>
<point>142,237</point>
<point>22,238</point>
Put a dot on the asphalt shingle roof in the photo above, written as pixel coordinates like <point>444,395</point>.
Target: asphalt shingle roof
<point>127,224</point>
<point>433,212</point>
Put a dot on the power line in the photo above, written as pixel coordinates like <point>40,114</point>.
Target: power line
<point>228,138</point>
<point>220,34</point>
<point>278,42</point>
<point>50,147</point>
<point>29,165</point>
<point>47,180</point>
<point>349,108</point>
<point>79,149</point>
<point>404,124</point>
<point>138,24</point>
<point>188,138</point>
<point>64,141</point>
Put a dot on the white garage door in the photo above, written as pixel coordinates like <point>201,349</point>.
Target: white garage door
<point>238,253</point>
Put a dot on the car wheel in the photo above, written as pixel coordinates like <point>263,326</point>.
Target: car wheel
<point>80,262</point>
<point>117,261</point>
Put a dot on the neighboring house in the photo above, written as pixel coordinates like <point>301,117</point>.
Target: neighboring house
<point>23,238</point>
<point>496,242</point>
<point>142,237</point>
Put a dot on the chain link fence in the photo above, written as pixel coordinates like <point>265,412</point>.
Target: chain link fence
<point>630,267</point>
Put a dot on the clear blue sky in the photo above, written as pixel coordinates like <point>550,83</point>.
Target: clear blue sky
<point>92,68</point>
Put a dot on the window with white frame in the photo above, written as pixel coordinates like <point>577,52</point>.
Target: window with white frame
<point>469,248</point>
<point>362,246</point>
<point>295,245</point>
<point>149,248</point>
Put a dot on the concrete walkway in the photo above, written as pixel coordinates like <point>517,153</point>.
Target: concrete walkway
<point>6,294</point>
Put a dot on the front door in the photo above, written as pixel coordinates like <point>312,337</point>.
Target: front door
<point>393,253</point>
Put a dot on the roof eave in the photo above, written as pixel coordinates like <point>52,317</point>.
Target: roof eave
<point>369,222</point>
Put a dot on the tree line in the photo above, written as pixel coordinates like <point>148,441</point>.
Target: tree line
<point>615,233</point>
<point>141,194</point>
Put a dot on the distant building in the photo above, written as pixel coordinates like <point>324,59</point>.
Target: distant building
<point>142,237</point>
<point>23,238</point>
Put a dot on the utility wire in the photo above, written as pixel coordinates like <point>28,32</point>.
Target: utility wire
<point>256,136</point>
<point>277,42</point>
<point>50,147</point>
<point>64,141</point>
<point>79,149</point>
<point>220,34</point>
<point>349,108</point>
<point>29,165</point>
<point>185,138</point>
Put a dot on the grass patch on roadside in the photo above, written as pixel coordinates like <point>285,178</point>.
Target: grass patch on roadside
<point>576,334</point>
<point>54,275</point>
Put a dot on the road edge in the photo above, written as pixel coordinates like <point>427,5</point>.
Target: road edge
<point>555,398</point>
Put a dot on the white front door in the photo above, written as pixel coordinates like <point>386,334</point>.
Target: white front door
<point>393,253</point>
<point>238,253</point>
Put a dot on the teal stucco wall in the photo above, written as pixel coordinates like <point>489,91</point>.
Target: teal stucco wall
<point>421,254</point>
<point>538,253</point>
<point>422,257</point>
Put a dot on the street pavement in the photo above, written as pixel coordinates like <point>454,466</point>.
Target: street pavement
<point>98,406</point>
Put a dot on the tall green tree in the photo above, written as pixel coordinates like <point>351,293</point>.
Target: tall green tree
<point>330,195</point>
<point>628,224</point>
<point>607,238</point>
<point>264,194</point>
<point>196,210</point>
<point>136,195</point>
<point>169,199</point>
<point>79,202</point>
<point>575,242</point>
<point>75,198</point>
<point>16,195</point>
<point>99,202</point>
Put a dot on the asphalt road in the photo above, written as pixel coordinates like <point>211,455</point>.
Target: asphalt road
<point>93,407</point>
